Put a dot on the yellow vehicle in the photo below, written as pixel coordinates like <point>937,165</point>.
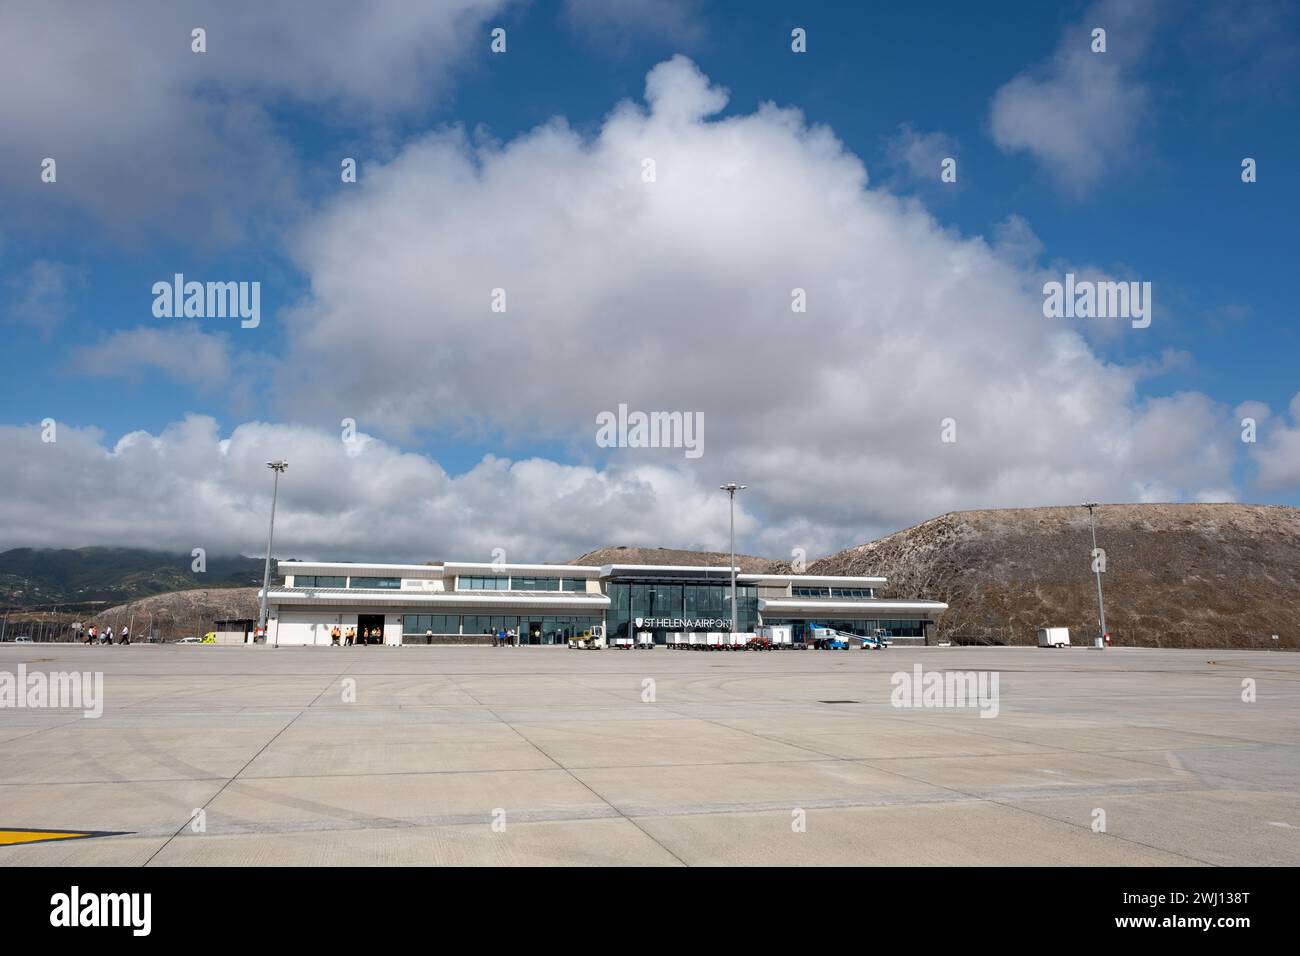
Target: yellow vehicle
<point>585,641</point>
<point>210,637</point>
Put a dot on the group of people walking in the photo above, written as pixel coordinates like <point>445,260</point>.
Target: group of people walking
<point>369,635</point>
<point>95,636</point>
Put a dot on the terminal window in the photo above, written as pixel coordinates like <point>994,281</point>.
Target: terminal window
<point>319,581</point>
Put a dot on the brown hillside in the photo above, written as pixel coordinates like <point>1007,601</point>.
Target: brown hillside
<point>1188,575</point>
<point>182,613</point>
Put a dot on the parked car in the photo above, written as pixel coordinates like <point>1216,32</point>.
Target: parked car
<point>22,640</point>
<point>190,640</point>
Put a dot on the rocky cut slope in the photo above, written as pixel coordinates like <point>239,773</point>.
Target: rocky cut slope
<point>189,613</point>
<point>1186,575</point>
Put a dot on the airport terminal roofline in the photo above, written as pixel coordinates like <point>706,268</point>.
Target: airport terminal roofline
<point>568,570</point>
<point>575,571</point>
<point>296,566</point>
<point>452,567</point>
<point>814,605</point>
<point>814,578</point>
<point>610,570</point>
<point>449,598</point>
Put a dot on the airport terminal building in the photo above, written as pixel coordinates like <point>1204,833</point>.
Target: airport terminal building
<point>465,603</point>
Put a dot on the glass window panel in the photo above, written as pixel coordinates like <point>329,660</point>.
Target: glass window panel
<point>532,583</point>
<point>666,601</point>
<point>478,582</point>
<point>319,581</point>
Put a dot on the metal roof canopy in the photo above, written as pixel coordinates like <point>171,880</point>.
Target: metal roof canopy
<point>814,606</point>
<point>665,572</point>
<point>439,570</point>
<point>816,579</point>
<point>523,570</point>
<point>309,596</point>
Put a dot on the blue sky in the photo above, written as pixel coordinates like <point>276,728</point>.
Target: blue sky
<point>1167,205</point>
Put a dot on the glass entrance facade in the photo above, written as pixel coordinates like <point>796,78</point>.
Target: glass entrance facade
<point>676,600</point>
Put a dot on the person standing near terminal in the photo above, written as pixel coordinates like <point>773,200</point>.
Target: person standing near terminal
<point>126,635</point>
<point>334,636</point>
<point>108,635</point>
<point>351,637</point>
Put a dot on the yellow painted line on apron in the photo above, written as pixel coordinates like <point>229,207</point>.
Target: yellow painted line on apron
<point>16,837</point>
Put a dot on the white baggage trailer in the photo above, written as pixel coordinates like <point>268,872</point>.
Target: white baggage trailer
<point>1053,637</point>
<point>778,635</point>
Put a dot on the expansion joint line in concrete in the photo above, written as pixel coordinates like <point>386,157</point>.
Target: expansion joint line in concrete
<point>582,783</point>
<point>248,763</point>
<point>972,796</point>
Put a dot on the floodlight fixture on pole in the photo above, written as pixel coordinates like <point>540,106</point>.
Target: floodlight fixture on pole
<point>1096,567</point>
<point>277,466</point>
<point>731,488</point>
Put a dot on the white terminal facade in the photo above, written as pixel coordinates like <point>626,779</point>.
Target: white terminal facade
<point>465,603</point>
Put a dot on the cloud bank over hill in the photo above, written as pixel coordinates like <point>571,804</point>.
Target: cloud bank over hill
<point>670,292</point>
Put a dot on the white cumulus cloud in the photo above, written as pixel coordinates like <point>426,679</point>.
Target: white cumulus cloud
<point>189,486</point>
<point>676,295</point>
<point>182,353</point>
<point>666,295</point>
<point>147,133</point>
<point>1277,449</point>
<point>1079,111</point>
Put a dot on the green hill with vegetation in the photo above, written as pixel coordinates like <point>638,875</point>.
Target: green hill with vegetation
<point>49,577</point>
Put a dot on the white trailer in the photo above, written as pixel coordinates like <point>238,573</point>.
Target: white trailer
<point>709,640</point>
<point>778,635</point>
<point>1053,637</point>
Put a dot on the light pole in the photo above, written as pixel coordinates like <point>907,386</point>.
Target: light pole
<point>276,466</point>
<point>1096,566</point>
<point>731,488</point>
